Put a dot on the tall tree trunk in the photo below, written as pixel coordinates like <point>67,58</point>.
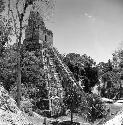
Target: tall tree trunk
<point>71,111</point>
<point>71,117</point>
<point>19,68</point>
<point>18,82</point>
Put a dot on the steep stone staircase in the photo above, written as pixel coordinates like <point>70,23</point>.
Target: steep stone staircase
<point>54,87</point>
<point>51,72</point>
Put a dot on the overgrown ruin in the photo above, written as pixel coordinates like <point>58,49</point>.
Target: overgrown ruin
<point>38,37</point>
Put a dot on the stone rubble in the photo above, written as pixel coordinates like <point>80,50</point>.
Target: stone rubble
<point>10,114</point>
<point>116,120</point>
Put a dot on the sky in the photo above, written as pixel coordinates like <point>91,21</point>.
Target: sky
<point>92,27</point>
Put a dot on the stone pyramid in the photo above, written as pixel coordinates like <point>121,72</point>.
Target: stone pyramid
<point>38,37</point>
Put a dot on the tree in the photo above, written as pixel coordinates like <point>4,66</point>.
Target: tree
<point>18,11</point>
<point>7,68</point>
<point>33,86</point>
<point>5,33</point>
<point>83,68</point>
<point>111,84</point>
<point>2,5</point>
<point>72,99</point>
<point>5,28</point>
<point>117,59</point>
<point>94,108</point>
<point>90,78</point>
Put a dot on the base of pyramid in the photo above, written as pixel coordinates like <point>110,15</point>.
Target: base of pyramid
<point>55,107</point>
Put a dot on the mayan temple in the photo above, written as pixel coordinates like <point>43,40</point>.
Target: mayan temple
<point>38,37</point>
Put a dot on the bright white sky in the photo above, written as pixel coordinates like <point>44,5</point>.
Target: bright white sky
<point>93,27</point>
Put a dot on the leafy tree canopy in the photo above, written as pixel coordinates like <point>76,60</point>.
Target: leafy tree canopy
<point>83,68</point>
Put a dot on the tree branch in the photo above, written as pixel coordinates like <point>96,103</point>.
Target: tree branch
<point>17,9</point>
<point>15,27</point>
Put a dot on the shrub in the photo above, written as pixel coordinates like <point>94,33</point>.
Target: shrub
<point>26,106</point>
<point>94,109</point>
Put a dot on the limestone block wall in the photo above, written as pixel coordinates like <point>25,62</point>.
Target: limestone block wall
<point>46,35</point>
<point>36,31</point>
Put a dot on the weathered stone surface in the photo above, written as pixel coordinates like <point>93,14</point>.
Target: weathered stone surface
<point>10,114</point>
<point>36,31</point>
<point>116,120</point>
